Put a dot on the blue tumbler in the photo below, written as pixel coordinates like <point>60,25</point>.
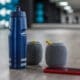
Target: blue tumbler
<point>17,40</point>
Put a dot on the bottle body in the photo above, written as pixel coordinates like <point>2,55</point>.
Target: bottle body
<point>17,40</point>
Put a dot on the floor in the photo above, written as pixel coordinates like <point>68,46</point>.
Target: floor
<point>35,73</point>
<point>71,39</point>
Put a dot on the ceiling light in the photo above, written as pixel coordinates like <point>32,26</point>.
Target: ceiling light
<point>70,11</point>
<point>7,23</point>
<point>67,8</point>
<point>8,1</point>
<point>3,12</point>
<point>3,2</point>
<point>63,3</point>
<point>2,22</point>
<point>8,12</point>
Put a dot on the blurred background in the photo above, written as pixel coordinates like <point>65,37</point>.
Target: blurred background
<point>55,20</point>
<point>42,11</point>
<point>6,6</point>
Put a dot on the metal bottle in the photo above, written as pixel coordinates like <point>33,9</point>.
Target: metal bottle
<point>17,39</point>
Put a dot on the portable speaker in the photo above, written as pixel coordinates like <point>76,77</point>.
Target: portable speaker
<point>34,55</point>
<point>56,55</point>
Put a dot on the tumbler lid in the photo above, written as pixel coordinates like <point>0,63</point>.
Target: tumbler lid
<point>18,8</point>
<point>18,13</point>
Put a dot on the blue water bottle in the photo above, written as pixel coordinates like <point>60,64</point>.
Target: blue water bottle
<point>17,40</point>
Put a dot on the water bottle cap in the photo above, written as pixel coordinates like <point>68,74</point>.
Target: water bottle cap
<point>18,8</point>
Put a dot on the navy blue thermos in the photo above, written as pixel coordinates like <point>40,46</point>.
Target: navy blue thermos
<point>17,39</point>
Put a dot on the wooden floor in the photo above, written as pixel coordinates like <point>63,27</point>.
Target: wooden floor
<point>35,73</point>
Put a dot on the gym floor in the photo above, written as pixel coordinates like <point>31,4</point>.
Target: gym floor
<point>35,73</point>
<point>70,37</point>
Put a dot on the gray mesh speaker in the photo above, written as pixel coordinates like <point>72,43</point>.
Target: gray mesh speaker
<point>34,55</point>
<point>56,55</point>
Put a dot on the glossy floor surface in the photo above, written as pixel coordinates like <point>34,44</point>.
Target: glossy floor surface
<point>36,73</point>
<point>71,38</point>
